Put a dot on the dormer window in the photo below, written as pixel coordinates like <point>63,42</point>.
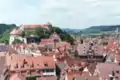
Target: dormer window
<point>24,61</point>
<point>117,78</point>
<point>45,64</point>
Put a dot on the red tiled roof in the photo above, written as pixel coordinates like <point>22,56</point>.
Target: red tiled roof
<point>63,44</point>
<point>17,77</point>
<point>46,26</point>
<point>86,78</point>
<point>71,62</point>
<point>15,32</point>
<point>72,75</point>
<point>39,62</point>
<point>105,69</point>
<point>45,41</point>
<point>47,78</point>
<point>21,45</point>
<point>111,46</point>
<point>117,56</point>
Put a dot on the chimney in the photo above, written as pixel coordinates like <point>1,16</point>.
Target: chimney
<point>16,65</point>
<point>73,78</point>
<point>32,64</point>
<point>81,41</point>
<point>24,61</point>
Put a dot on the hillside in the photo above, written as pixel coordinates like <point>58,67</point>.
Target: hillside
<point>93,30</point>
<point>4,32</point>
<point>99,29</point>
<point>5,29</point>
<point>47,33</point>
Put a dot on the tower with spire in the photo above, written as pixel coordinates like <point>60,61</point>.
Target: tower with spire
<point>117,30</point>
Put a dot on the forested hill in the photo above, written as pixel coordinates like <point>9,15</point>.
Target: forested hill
<point>5,29</point>
<point>93,30</point>
<point>98,29</point>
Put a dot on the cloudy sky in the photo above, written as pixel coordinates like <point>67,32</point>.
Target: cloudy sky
<point>63,13</point>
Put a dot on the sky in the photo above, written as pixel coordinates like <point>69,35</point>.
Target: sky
<point>75,14</point>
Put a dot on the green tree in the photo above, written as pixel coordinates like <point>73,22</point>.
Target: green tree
<point>63,35</point>
<point>16,41</point>
<point>43,33</point>
<point>4,38</point>
<point>23,34</point>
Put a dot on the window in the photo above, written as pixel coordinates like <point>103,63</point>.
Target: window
<point>51,70</point>
<point>23,71</point>
<point>28,72</point>
<point>45,64</point>
<point>43,70</point>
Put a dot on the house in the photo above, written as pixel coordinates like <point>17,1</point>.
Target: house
<point>86,78</point>
<point>16,33</point>
<point>26,49</point>
<point>90,52</point>
<point>48,44</point>
<point>71,68</point>
<point>84,75</point>
<point>55,37</point>
<point>32,27</point>
<point>17,76</point>
<point>108,71</point>
<point>47,78</point>
<point>4,71</point>
<point>3,49</point>
<point>71,75</point>
<point>31,66</point>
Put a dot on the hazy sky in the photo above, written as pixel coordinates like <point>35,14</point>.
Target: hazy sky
<point>63,13</point>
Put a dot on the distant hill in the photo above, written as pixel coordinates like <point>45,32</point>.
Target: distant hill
<point>98,29</point>
<point>71,31</point>
<point>93,30</point>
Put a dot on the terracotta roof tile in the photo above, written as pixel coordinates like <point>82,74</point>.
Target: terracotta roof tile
<point>47,78</point>
<point>15,32</point>
<point>39,62</point>
<point>46,26</point>
<point>86,78</point>
<point>17,77</point>
<point>105,69</point>
<point>46,41</point>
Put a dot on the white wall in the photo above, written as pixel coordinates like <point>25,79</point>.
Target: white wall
<point>13,37</point>
<point>50,73</point>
